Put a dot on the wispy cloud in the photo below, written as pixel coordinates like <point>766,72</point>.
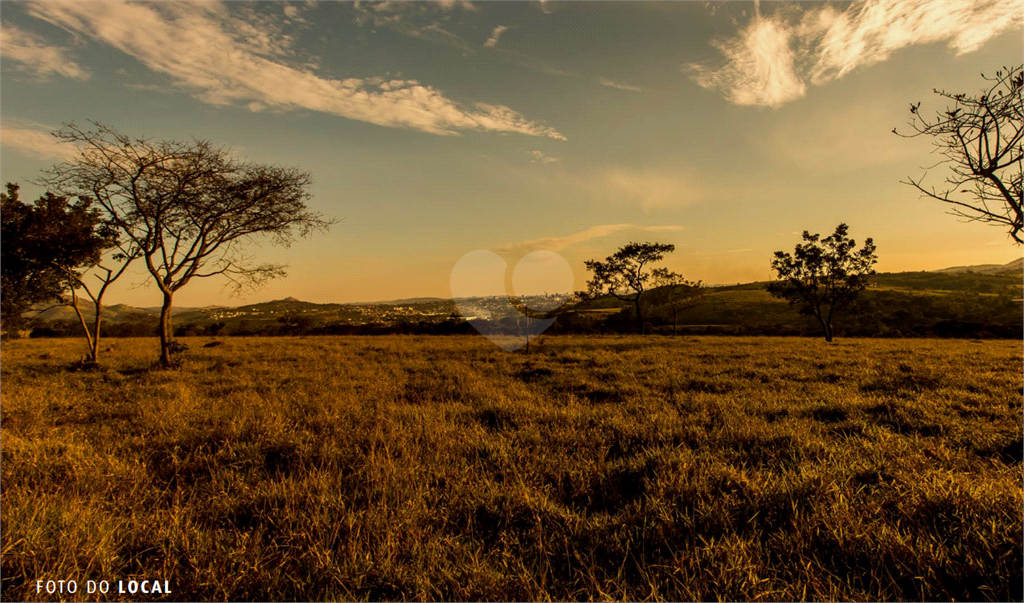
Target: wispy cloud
<point>771,61</point>
<point>465,5</point>
<point>146,87</point>
<point>759,68</point>
<point>815,141</point>
<point>648,188</point>
<point>532,63</point>
<point>437,34</point>
<point>618,85</point>
<point>652,188</point>
<point>420,20</point>
<point>225,56</point>
<point>542,158</point>
<point>33,55</point>
<point>594,232</point>
<point>495,36</point>
<point>36,142</point>
<point>545,7</point>
<point>400,9</point>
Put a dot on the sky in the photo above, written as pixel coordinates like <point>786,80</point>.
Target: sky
<point>436,129</point>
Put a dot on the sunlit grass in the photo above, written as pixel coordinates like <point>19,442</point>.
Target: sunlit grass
<point>446,468</point>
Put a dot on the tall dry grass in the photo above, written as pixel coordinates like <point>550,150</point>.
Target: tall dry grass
<point>445,468</point>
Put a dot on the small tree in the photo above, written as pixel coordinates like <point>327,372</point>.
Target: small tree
<point>46,247</point>
<point>105,272</point>
<point>681,293</point>
<point>625,274</point>
<point>189,208</point>
<point>980,138</point>
<point>823,275</point>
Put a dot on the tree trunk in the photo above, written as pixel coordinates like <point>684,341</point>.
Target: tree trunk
<point>826,329</point>
<point>639,316</point>
<point>166,331</point>
<point>527,330</point>
<point>96,332</point>
<point>90,342</point>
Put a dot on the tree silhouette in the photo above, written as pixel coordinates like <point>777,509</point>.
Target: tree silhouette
<point>823,275</point>
<point>979,138</point>
<point>46,248</point>
<point>625,274</point>
<point>189,208</point>
<point>680,292</point>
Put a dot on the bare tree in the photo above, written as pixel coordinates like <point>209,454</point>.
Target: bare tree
<point>625,274</point>
<point>824,275</point>
<point>106,272</point>
<point>681,293</point>
<point>980,138</point>
<point>189,208</point>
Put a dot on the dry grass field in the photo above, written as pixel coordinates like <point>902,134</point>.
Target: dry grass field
<point>445,468</point>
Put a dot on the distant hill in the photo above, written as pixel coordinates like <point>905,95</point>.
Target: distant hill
<point>1016,266</point>
<point>403,302</point>
<point>959,303</point>
<point>114,313</point>
<point>977,301</point>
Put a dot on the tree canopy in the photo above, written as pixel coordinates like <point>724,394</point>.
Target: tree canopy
<point>46,246</point>
<point>823,275</point>
<point>627,273</point>
<point>188,207</point>
<point>680,292</point>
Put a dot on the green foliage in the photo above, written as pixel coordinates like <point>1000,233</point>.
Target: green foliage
<point>45,246</point>
<point>823,275</point>
<point>443,468</point>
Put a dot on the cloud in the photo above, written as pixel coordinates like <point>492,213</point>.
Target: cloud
<point>495,36</point>
<point>771,60</point>
<point>401,14</point>
<point>815,141</point>
<point>36,143</point>
<point>540,157</point>
<point>532,63</point>
<point>407,18</point>
<point>34,55</point>
<point>618,86</point>
<point>648,188</point>
<point>666,186</point>
<point>545,7</point>
<point>146,87</point>
<point>435,33</point>
<point>452,4</point>
<point>594,232</point>
<point>294,11</point>
<point>224,56</point>
<point>759,68</point>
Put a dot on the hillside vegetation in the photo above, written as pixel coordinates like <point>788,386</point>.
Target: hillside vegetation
<point>956,302</point>
<point>907,304</point>
<point>443,468</point>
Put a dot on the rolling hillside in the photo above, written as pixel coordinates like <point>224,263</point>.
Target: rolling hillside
<point>951,302</point>
<point>972,301</point>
